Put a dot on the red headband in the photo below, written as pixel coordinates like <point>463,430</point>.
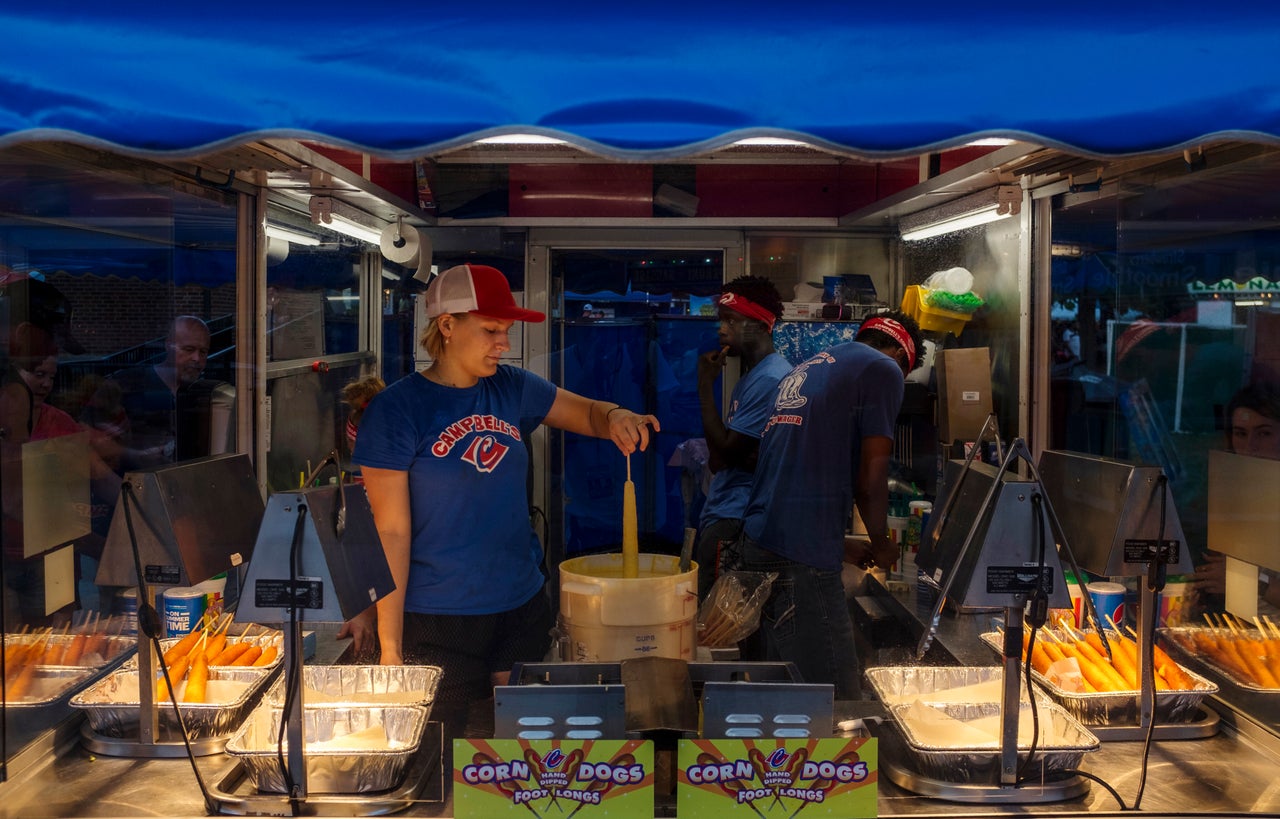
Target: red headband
<point>741,304</point>
<point>894,330</point>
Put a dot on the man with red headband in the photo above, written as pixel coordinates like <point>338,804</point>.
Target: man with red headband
<point>749,306</point>
<point>826,446</point>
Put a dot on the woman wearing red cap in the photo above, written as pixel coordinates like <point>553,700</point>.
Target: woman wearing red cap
<point>444,458</point>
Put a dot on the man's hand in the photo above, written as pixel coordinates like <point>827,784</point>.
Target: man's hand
<point>857,550</point>
<point>1211,576</point>
<point>710,364</point>
<point>362,629</point>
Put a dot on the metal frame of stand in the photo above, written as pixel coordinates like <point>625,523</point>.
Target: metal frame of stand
<point>1155,557</point>
<point>1007,790</point>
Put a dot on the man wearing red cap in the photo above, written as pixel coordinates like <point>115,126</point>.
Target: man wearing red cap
<point>446,468</point>
<point>749,307</point>
<point>826,446</point>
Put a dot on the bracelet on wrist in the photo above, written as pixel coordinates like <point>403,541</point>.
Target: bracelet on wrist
<point>612,411</point>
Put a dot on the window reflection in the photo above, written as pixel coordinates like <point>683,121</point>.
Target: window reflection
<point>117,320</point>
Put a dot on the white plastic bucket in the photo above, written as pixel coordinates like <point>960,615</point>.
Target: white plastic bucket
<point>608,617</point>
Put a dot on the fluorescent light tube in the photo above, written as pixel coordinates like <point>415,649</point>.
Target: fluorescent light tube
<point>988,214</point>
<point>353,229</point>
<point>290,235</point>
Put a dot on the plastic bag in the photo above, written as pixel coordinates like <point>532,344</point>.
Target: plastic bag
<point>951,280</point>
<point>732,608</point>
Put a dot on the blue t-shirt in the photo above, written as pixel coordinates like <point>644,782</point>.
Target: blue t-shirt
<point>472,549</point>
<point>802,498</point>
<point>749,410</point>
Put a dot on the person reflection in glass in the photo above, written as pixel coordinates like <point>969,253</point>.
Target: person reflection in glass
<point>1252,428</point>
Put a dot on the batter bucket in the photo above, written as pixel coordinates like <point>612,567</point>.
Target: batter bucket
<point>607,617</point>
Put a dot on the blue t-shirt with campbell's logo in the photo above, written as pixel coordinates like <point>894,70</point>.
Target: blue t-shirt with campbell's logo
<point>472,549</point>
<point>749,408</point>
<point>802,499</point>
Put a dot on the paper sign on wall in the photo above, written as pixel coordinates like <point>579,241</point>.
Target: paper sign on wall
<point>782,777</point>
<point>553,778</point>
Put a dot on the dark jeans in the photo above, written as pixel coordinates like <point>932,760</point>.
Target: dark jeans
<point>715,540</point>
<point>806,621</point>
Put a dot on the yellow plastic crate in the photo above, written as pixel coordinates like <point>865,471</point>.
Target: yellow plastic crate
<point>931,319</point>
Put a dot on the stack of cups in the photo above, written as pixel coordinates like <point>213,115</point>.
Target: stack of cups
<point>127,605</point>
<point>917,522</point>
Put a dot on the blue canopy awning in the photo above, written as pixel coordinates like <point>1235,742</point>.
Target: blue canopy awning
<point>403,79</point>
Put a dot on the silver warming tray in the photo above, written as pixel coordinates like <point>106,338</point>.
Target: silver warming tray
<point>49,684</point>
<point>1182,638</point>
<point>113,648</point>
<point>111,705</point>
<point>939,685</point>
<point>1122,707</point>
<point>364,685</point>
<point>348,750</point>
<point>972,754</point>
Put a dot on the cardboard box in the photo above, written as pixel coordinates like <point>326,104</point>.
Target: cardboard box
<point>964,392</point>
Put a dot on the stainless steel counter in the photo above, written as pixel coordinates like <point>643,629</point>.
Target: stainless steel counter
<point>1233,772</point>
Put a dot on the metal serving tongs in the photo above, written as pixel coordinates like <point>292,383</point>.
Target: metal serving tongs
<point>1017,450</point>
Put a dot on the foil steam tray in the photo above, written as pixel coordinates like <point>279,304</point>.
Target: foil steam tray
<point>111,705</point>
<point>348,750</point>
<point>898,685</point>
<point>1122,707</point>
<point>337,685</point>
<point>1182,639</point>
<point>114,648</point>
<point>49,684</point>
<point>1062,745</point>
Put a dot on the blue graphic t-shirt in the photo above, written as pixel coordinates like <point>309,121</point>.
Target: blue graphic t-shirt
<point>472,549</point>
<point>749,408</point>
<point>802,498</point>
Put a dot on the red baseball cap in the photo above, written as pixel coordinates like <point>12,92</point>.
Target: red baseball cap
<point>479,289</point>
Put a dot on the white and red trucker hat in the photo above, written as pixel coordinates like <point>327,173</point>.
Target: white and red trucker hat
<point>479,289</point>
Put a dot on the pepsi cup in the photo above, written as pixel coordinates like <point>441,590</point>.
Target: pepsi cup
<point>1108,600</point>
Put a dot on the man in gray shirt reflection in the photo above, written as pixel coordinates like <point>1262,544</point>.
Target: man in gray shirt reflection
<point>164,412</point>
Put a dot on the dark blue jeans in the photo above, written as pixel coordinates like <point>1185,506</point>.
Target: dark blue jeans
<point>806,621</point>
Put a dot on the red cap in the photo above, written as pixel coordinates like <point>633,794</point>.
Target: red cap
<point>479,289</point>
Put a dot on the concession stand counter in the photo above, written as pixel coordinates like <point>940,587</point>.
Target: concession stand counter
<point>1106,178</point>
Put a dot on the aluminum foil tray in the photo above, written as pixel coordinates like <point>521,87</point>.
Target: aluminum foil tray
<point>111,705</point>
<point>49,684</point>
<point>1181,639</point>
<point>338,685</point>
<point>1064,741</point>
<point>115,648</point>
<point>1122,707</point>
<point>899,685</point>
<point>349,750</point>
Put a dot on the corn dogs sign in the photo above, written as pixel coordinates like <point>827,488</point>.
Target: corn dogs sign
<point>560,778</point>
<point>822,777</point>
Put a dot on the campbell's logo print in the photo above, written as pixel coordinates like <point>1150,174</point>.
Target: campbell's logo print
<point>789,395</point>
<point>485,453</point>
<point>463,427</point>
<point>479,436</point>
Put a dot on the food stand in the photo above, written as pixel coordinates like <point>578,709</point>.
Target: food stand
<point>223,130</point>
